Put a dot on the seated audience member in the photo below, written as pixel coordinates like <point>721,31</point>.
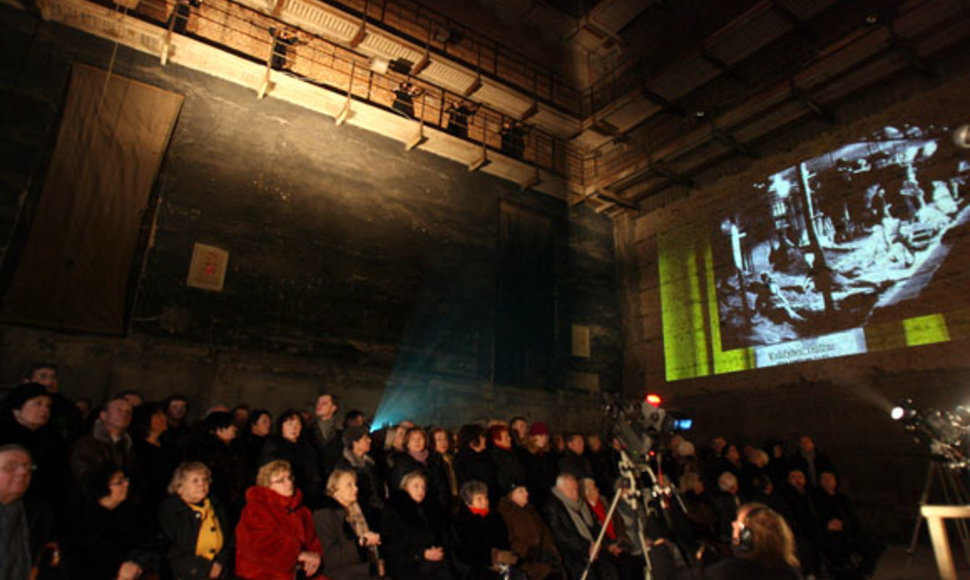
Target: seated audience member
<point>504,457</point>
<point>110,538</point>
<point>761,542</point>
<point>685,458</point>
<point>147,425</point>
<point>473,462</point>
<point>519,429</point>
<point>66,419</point>
<point>257,431</point>
<point>25,421</point>
<point>413,533</point>
<point>442,444</point>
<point>850,551</point>
<point>731,462</point>
<point>711,460</point>
<point>701,512</point>
<point>419,458</point>
<point>603,460</point>
<point>617,542</point>
<point>726,505</point>
<point>393,446</point>
<point>26,524</point>
<point>215,444</point>
<point>349,546</point>
<point>755,465</point>
<point>176,409</point>
<point>540,463</point>
<point>371,491</point>
<point>288,443</point>
<point>573,460</point>
<point>529,536</point>
<point>810,461</point>
<point>240,417</point>
<point>805,523</point>
<point>481,540</point>
<point>198,538</point>
<point>575,528</point>
<point>108,444</point>
<point>275,534</point>
<point>777,461</point>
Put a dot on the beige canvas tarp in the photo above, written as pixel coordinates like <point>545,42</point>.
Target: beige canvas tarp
<point>75,268</point>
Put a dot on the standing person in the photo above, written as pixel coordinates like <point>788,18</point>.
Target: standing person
<point>216,445</point>
<point>351,548</point>
<point>473,463</point>
<point>519,429</point>
<point>573,460</point>
<point>259,427</point>
<point>763,545</point>
<point>176,409</point>
<point>404,96</point>
<point>148,423</point>
<point>198,538</point>
<point>108,444</point>
<point>413,532</point>
<point>441,439</point>
<point>504,457</point>
<point>283,41</point>
<point>289,443</point>
<point>325,433</point>
<point>275,534</point>
<point>810,461</point>
<point>458,117</point>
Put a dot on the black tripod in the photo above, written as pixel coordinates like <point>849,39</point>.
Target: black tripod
<point>639,500</point>
<point>954,493</point>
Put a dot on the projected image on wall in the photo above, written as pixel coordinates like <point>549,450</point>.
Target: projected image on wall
<point>832,244</point>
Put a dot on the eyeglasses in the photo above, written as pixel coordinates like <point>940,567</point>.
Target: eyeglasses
<point>12,466</point>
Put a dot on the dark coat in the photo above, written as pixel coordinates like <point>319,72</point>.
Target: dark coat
<point>180,526</point>
<point>474,538</point>
<point>47,452</point>
<point>371,491</point>
<point>508,469</point>
<point>228,464</point>
<point>272,532</point>
<point>407,530</point>
<point>344,558</point>
<point>438,489</point>
<point>576,465</point>
<point>541,470</point>
<point>156,465</point>
<point>304,462</point>
<point>472,466</point>
<point>820,463</point>
<point>665,568</point>
<point>103,539</point>
<point>531,539</point>
<point>572,545</point>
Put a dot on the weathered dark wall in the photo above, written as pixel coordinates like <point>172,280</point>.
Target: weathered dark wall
<point>843,402</point>
<point>353,263</point>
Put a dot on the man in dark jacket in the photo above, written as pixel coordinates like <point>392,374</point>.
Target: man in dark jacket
<point>325,433</point>
<point>575,529</point>
<point>843,539</point>
<point>473,463</point>
<point>574,461</point>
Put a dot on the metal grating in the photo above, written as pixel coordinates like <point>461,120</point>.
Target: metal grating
<point>448,77</point>
<point>319,21</point>
<point>380,45</point>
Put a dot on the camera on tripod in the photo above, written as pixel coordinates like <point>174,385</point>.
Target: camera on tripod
<point>642,425</point>
<point>947,431</point>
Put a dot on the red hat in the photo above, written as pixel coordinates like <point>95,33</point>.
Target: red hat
<point>538,428</point>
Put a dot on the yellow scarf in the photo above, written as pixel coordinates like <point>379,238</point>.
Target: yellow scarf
<point>210,535</point>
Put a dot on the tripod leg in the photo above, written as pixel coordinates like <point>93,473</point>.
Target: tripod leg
<point>599,539</point>
<point>919,514</point>
<point>955,495</point>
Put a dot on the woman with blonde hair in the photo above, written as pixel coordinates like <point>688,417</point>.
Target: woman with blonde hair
<point>348,542</point>
<point>275,534</point>
<point>762,544</point>
<point>414,533</point>
<point>199,541</point>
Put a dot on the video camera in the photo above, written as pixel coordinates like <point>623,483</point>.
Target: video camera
<point>641,425</point>
<point>947,431</point>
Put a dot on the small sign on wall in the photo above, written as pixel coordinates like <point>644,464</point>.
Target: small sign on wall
<point>208,268</point>
<point>581,340</point>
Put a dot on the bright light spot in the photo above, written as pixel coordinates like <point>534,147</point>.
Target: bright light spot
<point>653,399</point>
<point>897,413</point>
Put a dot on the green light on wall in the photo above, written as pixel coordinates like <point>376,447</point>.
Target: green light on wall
<point>926,330</point>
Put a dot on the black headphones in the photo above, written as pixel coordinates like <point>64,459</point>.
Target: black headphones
<point>745,535</point>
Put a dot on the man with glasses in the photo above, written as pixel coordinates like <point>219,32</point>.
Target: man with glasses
<point>21,524</point>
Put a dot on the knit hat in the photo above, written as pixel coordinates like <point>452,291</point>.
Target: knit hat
<point>23,393</point>
<point>354,434</point>
<point>538,428</point>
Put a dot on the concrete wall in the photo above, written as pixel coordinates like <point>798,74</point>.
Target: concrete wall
<point>354,265</point>
<point>843,402</point>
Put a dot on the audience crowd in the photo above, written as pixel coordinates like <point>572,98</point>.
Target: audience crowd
<point>137,489</point>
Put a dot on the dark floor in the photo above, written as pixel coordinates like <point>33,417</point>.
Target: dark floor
<point>896,564</point>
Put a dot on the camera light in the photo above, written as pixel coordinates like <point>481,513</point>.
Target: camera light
<point>653,399</point>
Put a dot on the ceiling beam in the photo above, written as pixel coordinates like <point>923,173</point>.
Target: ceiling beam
<point>812,105</point>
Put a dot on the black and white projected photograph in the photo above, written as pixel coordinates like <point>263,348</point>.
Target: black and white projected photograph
<point>859,235</point>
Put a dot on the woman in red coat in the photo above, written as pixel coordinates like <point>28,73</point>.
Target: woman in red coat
<point>275,535</point>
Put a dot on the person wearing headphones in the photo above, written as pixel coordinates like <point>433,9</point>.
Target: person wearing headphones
<point>762,544</point>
